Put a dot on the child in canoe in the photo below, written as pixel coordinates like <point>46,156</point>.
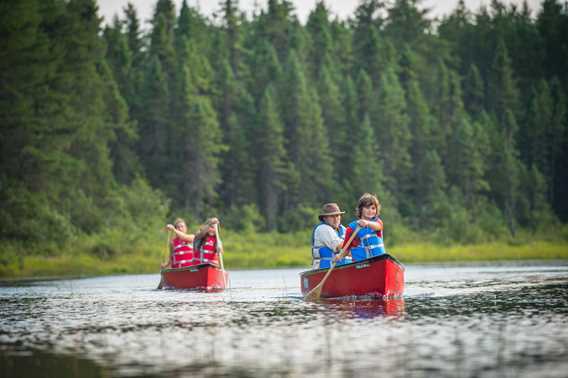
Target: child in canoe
<point>181,246</point>
<point>369,239</point>
<point>207,244</point>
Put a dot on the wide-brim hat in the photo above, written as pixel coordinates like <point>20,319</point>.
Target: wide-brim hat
<point>329,209</point>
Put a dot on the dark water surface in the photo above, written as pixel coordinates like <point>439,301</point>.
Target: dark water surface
<point>506,320</point>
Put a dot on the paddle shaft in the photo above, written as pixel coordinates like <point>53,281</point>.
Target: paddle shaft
<point>161,284</point>
<point>220,243</point>
<point>317,289</point>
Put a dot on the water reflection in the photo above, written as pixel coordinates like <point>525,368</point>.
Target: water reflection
<point>366,309</point>
<point>471,322</point>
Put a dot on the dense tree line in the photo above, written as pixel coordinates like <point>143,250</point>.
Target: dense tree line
<point>460,125</point>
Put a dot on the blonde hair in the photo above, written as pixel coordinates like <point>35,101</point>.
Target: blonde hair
<point>367,200</point>
<point>178,221</point>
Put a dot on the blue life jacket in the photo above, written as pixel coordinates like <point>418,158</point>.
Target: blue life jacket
<point>371,244</point>
<point>325,254</point>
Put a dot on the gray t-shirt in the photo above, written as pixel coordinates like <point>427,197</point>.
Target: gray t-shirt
<point>326,236</point>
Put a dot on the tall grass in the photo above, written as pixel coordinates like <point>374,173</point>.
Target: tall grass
<point>116,254</point>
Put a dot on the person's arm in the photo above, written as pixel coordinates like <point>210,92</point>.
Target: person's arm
<point>180,234</point>
<point>375,226</point>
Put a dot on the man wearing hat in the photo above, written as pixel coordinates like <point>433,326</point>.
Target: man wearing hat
<point>327,236</point>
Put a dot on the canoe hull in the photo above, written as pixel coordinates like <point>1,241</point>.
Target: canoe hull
<point>202,277</point>
<point>379,277</point>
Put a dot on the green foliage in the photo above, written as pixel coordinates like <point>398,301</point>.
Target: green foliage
<point>300,218</point>
<point>246,219</point>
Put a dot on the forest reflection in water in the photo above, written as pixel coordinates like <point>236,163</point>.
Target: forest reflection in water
<point>508,320</point>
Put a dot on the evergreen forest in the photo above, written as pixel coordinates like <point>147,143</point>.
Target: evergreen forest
<point>110,130</point>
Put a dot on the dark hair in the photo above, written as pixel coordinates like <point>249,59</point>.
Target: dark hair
<point>367,200</point>
<point>201,233</point>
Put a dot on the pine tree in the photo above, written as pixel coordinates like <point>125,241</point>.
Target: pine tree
<point>332,113</point>
<point>347,142</point>
<point>503,95</point>
<point>466,163</point>
<point>202,147</point>
<point>321,49</point>
<point>552,21</point>
<point>535,143</point>
<point>305,134</point>
<point>132,88</point>
<point>118,55</point>
<point>267,69</point>
<point>421,124</point>
<point>393,133</point>
<point>559,133</point>
<point>504,174</point>
<point>474,91</point>
<point>366,95</point>
<point>407,24</point>
<point>238,164</point>
<point>153,123</point>
<point>191,26</point>
<point>272,159</point>
<point>371,53</point>
<point>365,172</point>
<point>133,33</point>
<point>31,130</point>
<point>125,163</point>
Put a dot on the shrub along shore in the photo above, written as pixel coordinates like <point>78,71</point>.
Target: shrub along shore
<point>245,251</point>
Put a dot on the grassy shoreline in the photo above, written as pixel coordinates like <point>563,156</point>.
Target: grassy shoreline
<point>258,254</point>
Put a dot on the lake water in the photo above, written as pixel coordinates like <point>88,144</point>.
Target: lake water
<point>499,320</point>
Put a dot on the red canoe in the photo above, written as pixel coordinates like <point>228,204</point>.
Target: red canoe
<point>379,277</point>
<point>202,277</point>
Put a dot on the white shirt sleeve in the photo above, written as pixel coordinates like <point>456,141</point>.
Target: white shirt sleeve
<point>326,236</point>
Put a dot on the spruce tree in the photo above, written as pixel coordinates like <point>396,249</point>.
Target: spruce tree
<point>32,132</point>
<point>392,132</point>
<point>407,23</point>
<point>474,91</point>
<point>321,47</point>
<point>305,135</point>
<point>202,147</point>
<point>365,172</point>
<point>503,95</point>
<point>333,114</point>
<point>272,160</point>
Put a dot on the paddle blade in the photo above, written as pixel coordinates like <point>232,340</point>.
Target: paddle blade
<point>314,294</point>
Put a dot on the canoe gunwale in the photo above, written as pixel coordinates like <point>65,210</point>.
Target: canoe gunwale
<point>191,268</point>
<point>373,259</point>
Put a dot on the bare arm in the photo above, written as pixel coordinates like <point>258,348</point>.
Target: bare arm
<point>180,234</point>
<point>375,226</point>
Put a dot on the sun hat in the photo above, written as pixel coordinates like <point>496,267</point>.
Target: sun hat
<point>329,209</point>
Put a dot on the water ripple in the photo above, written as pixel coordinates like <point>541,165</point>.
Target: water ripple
<point>472,321</point>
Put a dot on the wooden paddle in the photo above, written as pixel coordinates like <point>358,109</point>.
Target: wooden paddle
<point>315,293</point>
<point>220,243</point>
<point>161,284</point>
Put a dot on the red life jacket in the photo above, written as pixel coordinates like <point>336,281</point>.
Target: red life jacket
<point>182,253</point>
<point>208,250</point>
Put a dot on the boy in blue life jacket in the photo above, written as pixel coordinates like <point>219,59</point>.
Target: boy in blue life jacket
<point>327,237</point>
<point>369,239</point>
